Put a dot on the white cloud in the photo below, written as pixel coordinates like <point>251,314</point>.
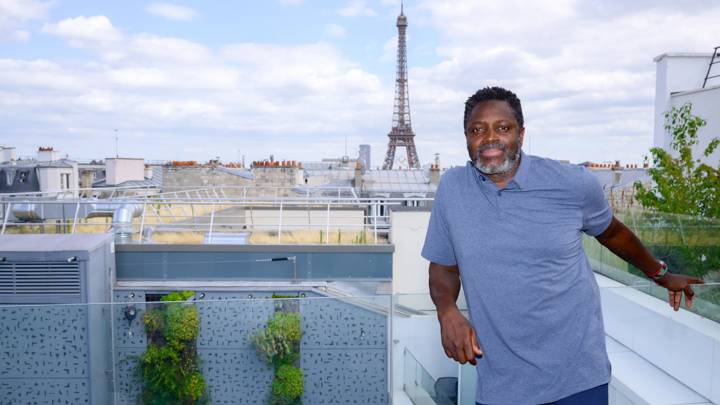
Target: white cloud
<point>30,77</point>
<point>355,8</point>
<point>14,14</point>
<point>167,50</point>
<point>162,92</point>
<point>335,30</point>
<point>21,35</point>
<point>583,70</point>
<point>587,82</point>
<point>85,31</point>
<point>171,11</point>
<point>389,53</point>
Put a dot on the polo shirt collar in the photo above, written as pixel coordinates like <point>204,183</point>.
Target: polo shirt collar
<point>521,175</point>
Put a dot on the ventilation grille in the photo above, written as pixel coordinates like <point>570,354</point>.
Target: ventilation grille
<point>58,279</point>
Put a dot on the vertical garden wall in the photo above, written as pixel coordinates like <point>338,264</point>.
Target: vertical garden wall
<point>341,356</point>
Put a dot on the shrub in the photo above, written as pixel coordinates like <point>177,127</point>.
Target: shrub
<point>286,324</point>
<point>278,342</point>
<point>170,366</point>
<point>287,387</point>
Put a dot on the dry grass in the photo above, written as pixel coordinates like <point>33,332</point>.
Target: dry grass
<point>270,238</point>
<point>315,237</point>
<point>178,237</point>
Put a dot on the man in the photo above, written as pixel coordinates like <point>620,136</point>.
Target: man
<point>509,225</point>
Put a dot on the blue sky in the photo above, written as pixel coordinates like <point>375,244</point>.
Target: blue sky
<point>194,80</point>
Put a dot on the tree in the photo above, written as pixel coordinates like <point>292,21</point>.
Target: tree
<point>682,184</point>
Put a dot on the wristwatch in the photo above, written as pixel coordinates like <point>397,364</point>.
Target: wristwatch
<point>660,272</point>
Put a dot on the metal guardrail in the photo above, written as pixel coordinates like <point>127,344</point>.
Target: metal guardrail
<point>199,191</point>
<point>211,211</point>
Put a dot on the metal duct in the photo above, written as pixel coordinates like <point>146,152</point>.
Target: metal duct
<point>29,212</point>
<point>100,210</point>
<point>122,221</point>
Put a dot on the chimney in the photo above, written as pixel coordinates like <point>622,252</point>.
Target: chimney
<point>435,170</point>
<point>7,154</point>
<point>148,172</point>
<point>358,175</point>
<point>47,154</point>
<point>435,174</point>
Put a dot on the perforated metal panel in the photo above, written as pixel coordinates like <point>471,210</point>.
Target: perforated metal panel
<point>55,354</point>
<point>40,282</point>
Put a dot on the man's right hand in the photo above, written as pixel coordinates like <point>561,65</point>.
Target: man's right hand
<point>458,337</point>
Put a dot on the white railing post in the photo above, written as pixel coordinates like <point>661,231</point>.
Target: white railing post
<point>75,217</point>
<point>142,221</point>
<point>212,221</point>
<point>5,219</point>
<point>280,223</point>
<point>375,208</point>
<point>327,225</point>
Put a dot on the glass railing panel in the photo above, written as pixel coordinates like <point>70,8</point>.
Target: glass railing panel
<point>689,260</point>
<point>689,246</point>
<point>419,386</point>
<point>640,327</point>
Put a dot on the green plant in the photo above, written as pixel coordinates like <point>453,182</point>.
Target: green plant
<point>287,387</point>
<point>683,184</point>
<point>278,342</point>
<point>360,238</point>
<point>170,366</point>
<point>287,324</point>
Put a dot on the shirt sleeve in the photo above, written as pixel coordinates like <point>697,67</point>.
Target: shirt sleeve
<point>597,213</point>
<point>438,245</point>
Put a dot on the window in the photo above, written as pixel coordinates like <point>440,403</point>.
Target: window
<point>64,181</point>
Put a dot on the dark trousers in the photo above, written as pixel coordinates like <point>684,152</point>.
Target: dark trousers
<point>593,396</point>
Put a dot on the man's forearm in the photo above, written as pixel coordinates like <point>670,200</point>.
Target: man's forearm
<point>623,242</point>
<point>444,286</point>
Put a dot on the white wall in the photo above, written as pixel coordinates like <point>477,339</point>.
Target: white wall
<point>705,104</point>
<point>684,345</point>
<point>7,154</point>
<point>120,170</point>
<point>47,155</point>
<point>407,233</point>
<point>49,178</point>
<point>675,72</point>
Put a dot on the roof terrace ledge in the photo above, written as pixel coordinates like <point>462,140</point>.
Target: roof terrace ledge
<point>253,262</point>
<point>255,248</point>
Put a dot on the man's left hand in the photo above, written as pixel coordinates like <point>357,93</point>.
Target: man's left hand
<point>677,284</point>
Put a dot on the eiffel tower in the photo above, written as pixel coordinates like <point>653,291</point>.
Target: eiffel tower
<point>401,134</point>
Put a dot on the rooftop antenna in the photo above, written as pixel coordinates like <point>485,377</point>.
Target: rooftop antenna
<point>117,155</point>
<point>401,7</point>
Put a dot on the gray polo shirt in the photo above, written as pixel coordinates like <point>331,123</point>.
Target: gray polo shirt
<point>531,293</point>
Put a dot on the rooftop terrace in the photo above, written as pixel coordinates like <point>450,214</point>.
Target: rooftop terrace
<point>75,299</point>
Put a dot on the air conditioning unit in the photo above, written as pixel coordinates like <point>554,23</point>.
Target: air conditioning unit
<point>56,328</point>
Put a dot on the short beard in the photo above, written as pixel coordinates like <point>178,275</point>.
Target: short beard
<point>503,168</point>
